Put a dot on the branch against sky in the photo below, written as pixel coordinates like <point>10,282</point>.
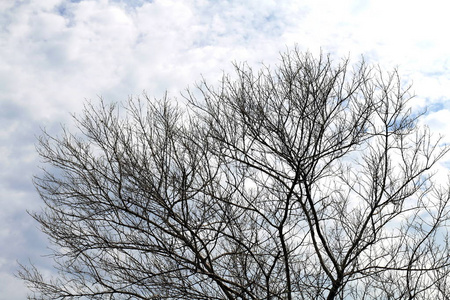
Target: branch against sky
<point>308,180</point>
<point>55,53</point>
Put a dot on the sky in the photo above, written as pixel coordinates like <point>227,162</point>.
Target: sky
<point>56,54</point>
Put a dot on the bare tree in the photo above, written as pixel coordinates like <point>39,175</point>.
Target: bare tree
<point>311,181</point>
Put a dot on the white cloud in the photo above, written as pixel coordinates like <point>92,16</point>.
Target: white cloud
<point>11,287</point>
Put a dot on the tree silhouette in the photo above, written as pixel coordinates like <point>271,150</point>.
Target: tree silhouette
<point>309,181</point>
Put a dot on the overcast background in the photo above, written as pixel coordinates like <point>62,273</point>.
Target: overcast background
<point>55,54</point>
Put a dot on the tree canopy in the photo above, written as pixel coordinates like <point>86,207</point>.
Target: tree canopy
<point>311,180</point>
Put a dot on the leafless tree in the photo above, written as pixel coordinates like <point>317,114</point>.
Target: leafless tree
<point>310,181</point>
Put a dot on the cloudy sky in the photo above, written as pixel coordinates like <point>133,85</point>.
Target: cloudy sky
<point>55,54</point>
